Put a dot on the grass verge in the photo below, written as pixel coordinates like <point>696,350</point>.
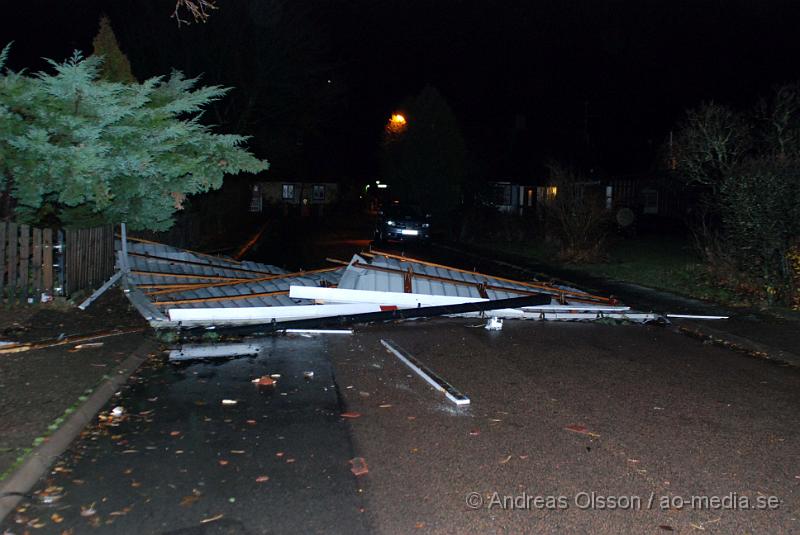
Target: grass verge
<point>664,263</point>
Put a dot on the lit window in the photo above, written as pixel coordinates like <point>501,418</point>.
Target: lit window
<point>288,192</point>
<point>546,194</point>
<point>318,192</point>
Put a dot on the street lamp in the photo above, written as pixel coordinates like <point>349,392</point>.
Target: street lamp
<point>397,123</point>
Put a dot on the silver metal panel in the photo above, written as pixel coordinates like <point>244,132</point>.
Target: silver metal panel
<point>198,268</point>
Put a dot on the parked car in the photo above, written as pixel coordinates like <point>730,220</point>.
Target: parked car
<point>402,223</point>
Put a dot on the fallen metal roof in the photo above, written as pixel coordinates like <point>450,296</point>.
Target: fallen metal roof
<point>163,277</point>
<point>390,273</point>
<point>173,287</point>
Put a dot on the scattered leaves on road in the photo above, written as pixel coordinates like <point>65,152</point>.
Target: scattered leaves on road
<point>359,466</point>
<point>211,519</point>
<point>575,428</point>
<point>264,380</point>
<point>190,499</point>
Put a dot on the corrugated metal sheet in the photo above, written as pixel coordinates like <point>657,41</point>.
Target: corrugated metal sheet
<point>166,278</point>
<point>157,269</point>
<point>463,284</point>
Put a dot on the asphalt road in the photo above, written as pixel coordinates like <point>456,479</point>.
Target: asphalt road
<point>669,416</point>
<point>179,461</point>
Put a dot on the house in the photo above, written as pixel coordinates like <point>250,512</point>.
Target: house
<point>649,197</point>
<point>309,196</point>
<point>512,198</point>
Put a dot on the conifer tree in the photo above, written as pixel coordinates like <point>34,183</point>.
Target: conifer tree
<point>425,162</point>
<point>116,67</point>
<point>82,151</point>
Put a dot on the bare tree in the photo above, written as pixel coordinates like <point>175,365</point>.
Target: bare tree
<point>711,141</point>
<point>198,10</point>
<point>576,216</point>
<point>778,121</point>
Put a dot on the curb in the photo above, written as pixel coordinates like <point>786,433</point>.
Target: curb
<point>737,343</point>
<point>40,459</point>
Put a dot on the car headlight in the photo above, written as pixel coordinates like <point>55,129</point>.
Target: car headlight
<point>390,223</point>
<point>426,225</point>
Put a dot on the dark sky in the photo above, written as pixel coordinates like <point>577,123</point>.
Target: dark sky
<point>597,83</point>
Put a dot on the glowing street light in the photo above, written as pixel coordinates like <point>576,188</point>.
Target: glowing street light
<point>397,123</point>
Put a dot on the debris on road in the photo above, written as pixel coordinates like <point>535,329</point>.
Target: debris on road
<point>428,375</point>
<point>359,466</point>
<point>203,351</point>
<point>494,324</point>
<point>117,412</point>
<point>229,402</point>
<point>90,345</point>
<point>176,288</point>
<point>581,430</point>
<point>264,380</point>
<point>318,331</point>
<point>190,499</point>
<point>308,375</point>
<point>696,317</point>
<point>351,415</point>
<point>65,340</point>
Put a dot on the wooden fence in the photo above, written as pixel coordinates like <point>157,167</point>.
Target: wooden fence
<point>36,261</point>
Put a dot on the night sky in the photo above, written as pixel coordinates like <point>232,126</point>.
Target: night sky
<point>596,83</point>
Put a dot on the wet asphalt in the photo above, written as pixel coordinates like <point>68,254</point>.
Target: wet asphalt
<point>660,418</point>
<point>179,461</point>
<point>560,412</point>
